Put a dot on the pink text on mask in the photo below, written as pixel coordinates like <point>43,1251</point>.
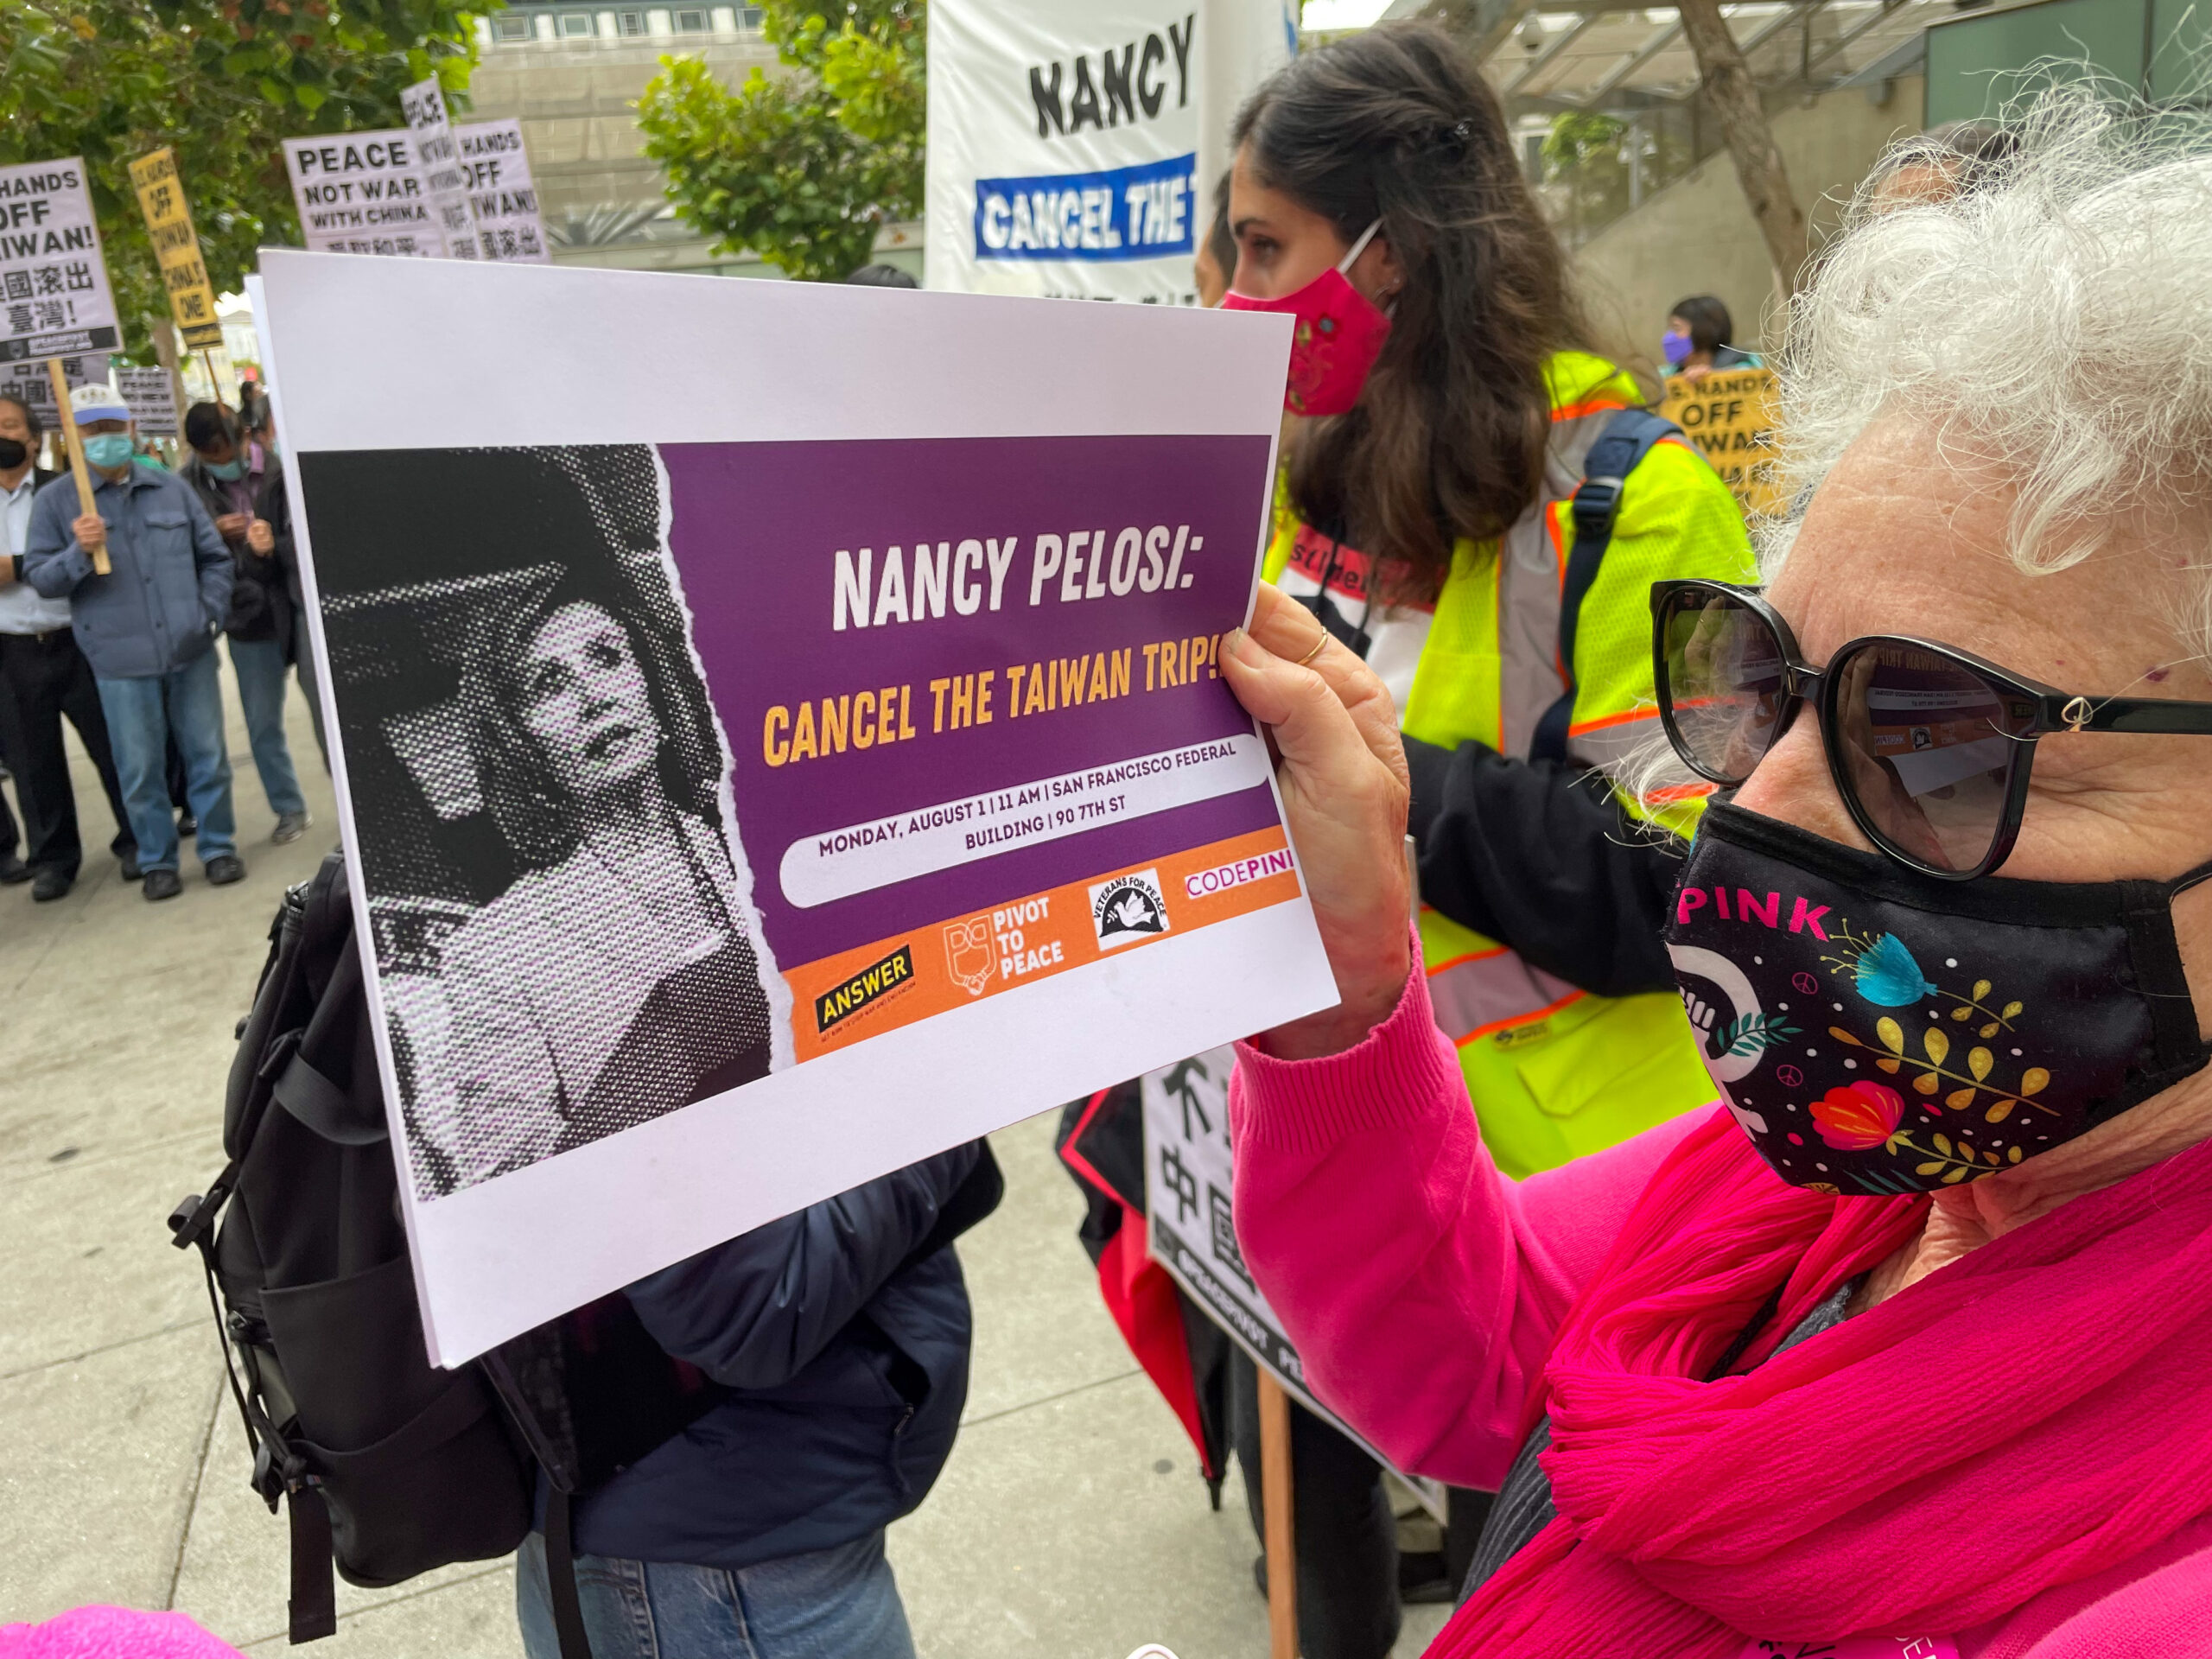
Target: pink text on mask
<point>1748,907</point>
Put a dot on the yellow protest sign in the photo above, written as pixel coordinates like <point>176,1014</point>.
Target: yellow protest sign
<point>1728,416</point>
<point>176,245</point>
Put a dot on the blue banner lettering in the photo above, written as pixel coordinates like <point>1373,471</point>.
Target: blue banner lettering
<point>1128,213</point>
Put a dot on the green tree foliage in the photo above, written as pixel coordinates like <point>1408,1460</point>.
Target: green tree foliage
<point>803,167</point>
<point>1588,158</point>
<point>220,82</point>
<point>1583,152</point>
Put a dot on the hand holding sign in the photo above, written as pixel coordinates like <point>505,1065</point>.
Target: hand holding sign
<point>1344,789</point>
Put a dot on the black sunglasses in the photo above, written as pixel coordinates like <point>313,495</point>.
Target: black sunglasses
<point>1930,746</point>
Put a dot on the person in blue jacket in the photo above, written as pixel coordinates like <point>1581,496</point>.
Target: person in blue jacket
<point>835,1343</point>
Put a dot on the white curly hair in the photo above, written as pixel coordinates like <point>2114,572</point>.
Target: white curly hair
<point>2051,317</point>
<point>2047,316</point>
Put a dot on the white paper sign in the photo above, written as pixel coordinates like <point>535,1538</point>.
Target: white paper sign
<point>1063,148</point>
<point>439,157</point>
<point>27,382</point>
<point>1190,1181</point>
<point>504,201</point>
<point>151,394</point>
<point>702,599</point>
<point>363,193</point>
<point>54,294</point>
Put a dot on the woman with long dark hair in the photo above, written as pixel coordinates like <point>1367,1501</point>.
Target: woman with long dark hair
<point>1442,525</point>
<point>616,980</point>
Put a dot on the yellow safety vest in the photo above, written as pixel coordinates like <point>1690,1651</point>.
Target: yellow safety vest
<point>1556,1073</point>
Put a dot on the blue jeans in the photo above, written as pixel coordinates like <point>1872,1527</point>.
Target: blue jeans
<point>141,715</point>
<point>829,1604</point>
<point>260,666</point>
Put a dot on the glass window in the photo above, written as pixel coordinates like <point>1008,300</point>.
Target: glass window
<point>749,17</point>
<point>576,22</point>
<point>634,22</point>
<point>691,22</point>
<point>511,29</point>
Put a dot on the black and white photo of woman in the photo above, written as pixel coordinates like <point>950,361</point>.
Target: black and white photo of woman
<point>604,970</point>
<point>615,981</point>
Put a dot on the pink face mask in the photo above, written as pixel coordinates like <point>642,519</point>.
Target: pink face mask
<point>1340,333</point>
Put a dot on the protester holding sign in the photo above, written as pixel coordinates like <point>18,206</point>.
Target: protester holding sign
<point>148,630</point>
<point>1899,1348</point>
<point>44,678</point>
<point>1441,530</point>
<point>223,473</point>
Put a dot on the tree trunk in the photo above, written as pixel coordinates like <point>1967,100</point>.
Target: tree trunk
<point>1734,99</point>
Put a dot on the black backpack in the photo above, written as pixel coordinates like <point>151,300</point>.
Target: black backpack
<point>389,1466</point>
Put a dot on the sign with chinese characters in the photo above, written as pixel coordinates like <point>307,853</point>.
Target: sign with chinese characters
<point>439,157</point>
<point>151,394</point>
<point>54,294</point>
<point>1190,1183</point>
<point>362,193</point>
<point>508,228</point>
<point>1189,1178</point>
<point>911,701</point>
<point>1728,417</point>
<point>176,247</point>
<point>26,381</point>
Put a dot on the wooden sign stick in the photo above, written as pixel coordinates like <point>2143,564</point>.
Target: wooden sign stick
<point>78,469</point>
<point>1277,1507</point>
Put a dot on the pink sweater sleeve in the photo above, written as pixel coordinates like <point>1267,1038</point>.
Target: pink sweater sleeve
<point>1421,1288</point>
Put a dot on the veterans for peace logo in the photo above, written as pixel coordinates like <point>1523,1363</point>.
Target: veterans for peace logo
<point>1129,908</point>
<point>968,953</point>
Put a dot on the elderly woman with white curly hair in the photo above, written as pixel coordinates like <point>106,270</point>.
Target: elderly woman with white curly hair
<point>1904,1348</point>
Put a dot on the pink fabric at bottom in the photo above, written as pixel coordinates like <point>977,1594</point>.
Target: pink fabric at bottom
<point>2015,1452</point>
<point>113,1633</point>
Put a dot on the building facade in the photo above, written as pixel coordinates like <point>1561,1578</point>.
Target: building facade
<point>572,74</point>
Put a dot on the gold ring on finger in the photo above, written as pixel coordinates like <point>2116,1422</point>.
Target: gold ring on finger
<point>1316,651</point>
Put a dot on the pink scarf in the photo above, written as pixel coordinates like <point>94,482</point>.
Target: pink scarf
<point>2029,1415</point>
<point>113,1633</point>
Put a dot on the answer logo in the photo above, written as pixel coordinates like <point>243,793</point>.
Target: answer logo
<point>968,953</point>
<point>1129,908</point>
<point>880,979</point>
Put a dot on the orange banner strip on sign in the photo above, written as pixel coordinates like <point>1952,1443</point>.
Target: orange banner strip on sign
<point>927,971</point>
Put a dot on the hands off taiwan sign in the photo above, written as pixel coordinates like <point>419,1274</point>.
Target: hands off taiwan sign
<point>1063,149</point>
<point>54,294</point>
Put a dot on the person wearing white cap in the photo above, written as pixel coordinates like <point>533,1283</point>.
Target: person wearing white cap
<point>148,627</point>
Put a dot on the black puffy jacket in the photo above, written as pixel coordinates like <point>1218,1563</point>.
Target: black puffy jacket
<point>260,607</point>
<point>839,1339</point>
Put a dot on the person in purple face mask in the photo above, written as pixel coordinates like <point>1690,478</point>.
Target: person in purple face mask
<point>1696,342</point>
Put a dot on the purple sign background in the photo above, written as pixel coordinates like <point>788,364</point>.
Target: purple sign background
<point>754,533</point>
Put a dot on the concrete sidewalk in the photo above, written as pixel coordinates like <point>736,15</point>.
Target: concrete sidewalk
<point>1071,1523</point>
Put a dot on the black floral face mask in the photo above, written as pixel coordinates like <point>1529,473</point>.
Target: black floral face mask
<point>1875,1030</point>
